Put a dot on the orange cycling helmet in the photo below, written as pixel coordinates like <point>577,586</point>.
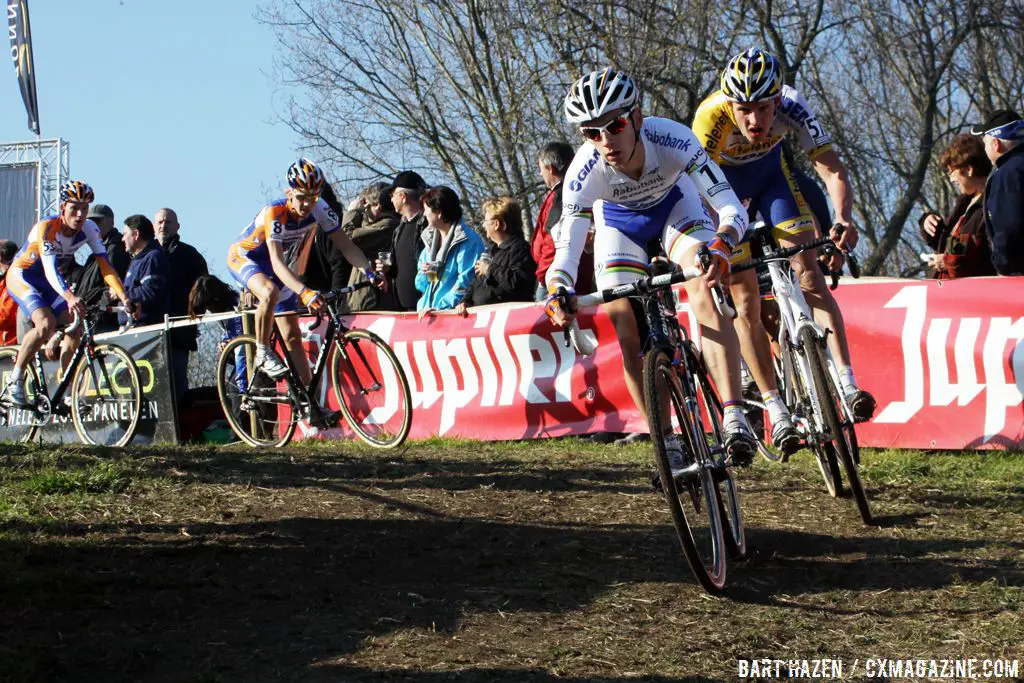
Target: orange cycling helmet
<point>304,176</point>
<point>76,191</point>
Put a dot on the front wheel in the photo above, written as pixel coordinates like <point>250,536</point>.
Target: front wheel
<point>371,389</point>
<point>831,404</point>
<point>262,411</point>
<point>692,497</point>
<point>805,390</point>
<point>106,396</point>
<point>709,422</point>
<point>17,423</point>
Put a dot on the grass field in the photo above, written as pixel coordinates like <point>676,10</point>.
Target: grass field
<point>462,561</point>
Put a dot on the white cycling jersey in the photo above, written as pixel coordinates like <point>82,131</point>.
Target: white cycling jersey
<point>677,171</point>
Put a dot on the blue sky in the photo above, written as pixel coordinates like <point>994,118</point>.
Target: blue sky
<point>164,104</point>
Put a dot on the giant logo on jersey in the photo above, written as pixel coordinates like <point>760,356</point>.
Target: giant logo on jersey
<point>576,184</point>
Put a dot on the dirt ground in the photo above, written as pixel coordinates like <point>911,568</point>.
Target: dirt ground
<point>456,561</point>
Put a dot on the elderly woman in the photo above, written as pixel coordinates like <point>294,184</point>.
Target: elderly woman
<point>959,240</point>
<point>450,252</point>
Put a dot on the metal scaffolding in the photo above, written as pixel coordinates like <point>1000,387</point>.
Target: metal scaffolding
<point>51,158</point>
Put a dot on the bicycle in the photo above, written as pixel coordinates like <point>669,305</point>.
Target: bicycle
<point>703,500</point>
<point>106,390</point>
<point>808,378</point>
<point>369,383</point>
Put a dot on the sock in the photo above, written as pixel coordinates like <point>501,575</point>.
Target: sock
<point>16,375</point>
<point>776,408</point>
<point>672,442</point>
<point>261,350</point>
<point>733,410</point>
<point>847,380</point>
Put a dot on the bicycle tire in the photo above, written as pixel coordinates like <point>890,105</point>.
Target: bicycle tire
<point>703,545</point>
<point>19,424</point>
<point>726,492</point>
<point>824,456</point>
<point>830,402</point>
<point>357,385</point>
<point>106,396</point>
<point>253,408</point>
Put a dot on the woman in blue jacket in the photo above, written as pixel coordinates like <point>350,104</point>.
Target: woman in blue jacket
<point>452,249</point>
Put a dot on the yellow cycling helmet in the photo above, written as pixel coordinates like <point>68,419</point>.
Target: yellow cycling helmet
<point>751,76</point>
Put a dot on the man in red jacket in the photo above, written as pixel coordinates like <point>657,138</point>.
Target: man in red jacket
<point>553,161</point>
<point>8,308</point>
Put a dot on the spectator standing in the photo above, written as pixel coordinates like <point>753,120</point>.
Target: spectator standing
<point>8,307</point>
<point>92,286</point>
<point>451,249</point>
<point>1002,134</point>
<point>371,224</point>
<point>148,280</point>
<point>406,191</point>
<point>505,272</point>
<point>187,265</point>
<point>553,161</point>
<point>959,240</point>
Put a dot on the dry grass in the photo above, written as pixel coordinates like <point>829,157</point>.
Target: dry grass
<point>483,562</point>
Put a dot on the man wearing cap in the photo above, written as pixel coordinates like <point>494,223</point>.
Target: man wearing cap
<point>92,285</point>
<point>406,244</point>
<point>1002,135</point>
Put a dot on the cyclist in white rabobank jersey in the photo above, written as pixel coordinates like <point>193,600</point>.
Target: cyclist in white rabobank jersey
<point>639,179</point>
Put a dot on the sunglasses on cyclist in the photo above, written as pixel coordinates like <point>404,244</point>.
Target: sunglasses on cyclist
<point>614,127</point>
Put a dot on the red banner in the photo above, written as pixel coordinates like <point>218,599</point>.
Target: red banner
<point>937,356</point>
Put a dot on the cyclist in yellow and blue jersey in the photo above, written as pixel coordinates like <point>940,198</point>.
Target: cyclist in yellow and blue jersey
<point>742,126</point>
<point>35,283</point>
<point>257,262</point>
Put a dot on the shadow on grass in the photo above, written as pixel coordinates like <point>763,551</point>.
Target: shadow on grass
<point>269,600</point>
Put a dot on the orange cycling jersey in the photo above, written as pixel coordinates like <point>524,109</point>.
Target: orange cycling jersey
<point>715,127</point>
<point>274,223</point>
<point>47,248</point>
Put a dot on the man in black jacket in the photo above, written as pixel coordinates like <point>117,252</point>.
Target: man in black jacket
<point>187,265</point>
<point>506,271</point>
<point>91,287</point>
<point>406,245</point>
<point>1003,136</point>
<point>148,279</point>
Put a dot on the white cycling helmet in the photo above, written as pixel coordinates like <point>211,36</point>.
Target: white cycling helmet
<point>598,93</point>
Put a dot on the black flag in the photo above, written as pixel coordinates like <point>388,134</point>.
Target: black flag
<point>20,32</point>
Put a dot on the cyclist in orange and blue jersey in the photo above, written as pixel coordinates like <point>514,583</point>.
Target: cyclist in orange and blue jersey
<point>35,283</point>
<point>742,126</point>
<point>257,262</point>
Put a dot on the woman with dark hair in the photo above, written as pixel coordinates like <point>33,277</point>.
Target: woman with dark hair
<point>452,249</point>
<point>959,240</point>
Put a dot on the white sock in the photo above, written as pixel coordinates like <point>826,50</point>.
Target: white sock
<point>777,409</point>
<point>846,379</point>
<point>733,412</point>
<point>261,350</point>
<point>16,375</point>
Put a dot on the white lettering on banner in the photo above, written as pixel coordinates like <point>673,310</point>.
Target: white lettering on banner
<point>914,299</point>
<point>468,372</point>
<point>999,394</point>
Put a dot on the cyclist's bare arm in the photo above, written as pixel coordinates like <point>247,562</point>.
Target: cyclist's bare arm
<point>837,181</point>
<point>350,250</point>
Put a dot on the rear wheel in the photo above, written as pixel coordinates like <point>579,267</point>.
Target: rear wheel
<point>21,424</point>
<point>261,410</point>
<point>106,396</point>
<point>371,389</point>
<point>693,497</point>
<point>831,403</point>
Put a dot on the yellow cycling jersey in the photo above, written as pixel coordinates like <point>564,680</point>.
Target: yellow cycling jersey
<point>715,127</point>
